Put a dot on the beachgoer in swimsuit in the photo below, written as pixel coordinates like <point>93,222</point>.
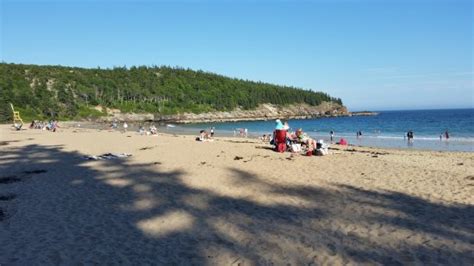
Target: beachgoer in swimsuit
<point>305,139</point>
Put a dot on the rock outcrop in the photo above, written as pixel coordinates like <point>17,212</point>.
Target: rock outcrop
<point>263,112</point>
<point>364,113</point>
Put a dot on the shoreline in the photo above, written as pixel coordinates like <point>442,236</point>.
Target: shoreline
<point>368,141</point>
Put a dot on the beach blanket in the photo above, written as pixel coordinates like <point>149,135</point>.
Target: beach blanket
<point>107,156</point>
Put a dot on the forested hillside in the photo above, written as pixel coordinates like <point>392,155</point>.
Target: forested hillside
<point>70,92</point>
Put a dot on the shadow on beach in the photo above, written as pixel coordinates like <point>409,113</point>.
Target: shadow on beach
<point>62,209</point>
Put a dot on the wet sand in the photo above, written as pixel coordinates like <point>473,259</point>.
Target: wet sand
<point>227,202</point>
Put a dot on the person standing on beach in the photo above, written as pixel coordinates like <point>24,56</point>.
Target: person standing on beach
<point>332,135</point>
<point>125,126</point>
<point>446,135</point>
<point>212,132</point>
<point>410,136</point>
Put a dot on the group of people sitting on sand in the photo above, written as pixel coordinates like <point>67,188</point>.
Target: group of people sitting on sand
<point>206,136</point>
<point>241,132</point>
<point>297,141</point>
<point>114,125</point>
<point>51,125</point>
<point>152,130</point>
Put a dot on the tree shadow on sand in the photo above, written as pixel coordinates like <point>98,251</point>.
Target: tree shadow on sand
<point>106,211</point>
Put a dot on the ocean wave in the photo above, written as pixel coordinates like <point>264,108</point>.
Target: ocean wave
<point>388,137</point>
<point>460,139</point>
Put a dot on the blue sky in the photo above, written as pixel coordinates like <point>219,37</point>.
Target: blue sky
<point>375,55</point>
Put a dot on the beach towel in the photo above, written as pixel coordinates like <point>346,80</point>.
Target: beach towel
<point>107,156</point>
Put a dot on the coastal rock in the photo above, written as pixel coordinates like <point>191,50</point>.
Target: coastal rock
<point>262,112</point>
<point>364,113</point>
<point>128,117</point>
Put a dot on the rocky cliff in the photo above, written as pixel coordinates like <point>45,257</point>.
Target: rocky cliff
<point>263,112</point>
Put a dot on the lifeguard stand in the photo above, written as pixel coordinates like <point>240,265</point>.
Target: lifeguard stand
<point>16,116</point>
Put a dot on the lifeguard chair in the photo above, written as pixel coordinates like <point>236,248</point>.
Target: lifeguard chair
<point>16,116</point>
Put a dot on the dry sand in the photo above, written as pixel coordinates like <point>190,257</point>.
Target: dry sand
<point>178,201</point>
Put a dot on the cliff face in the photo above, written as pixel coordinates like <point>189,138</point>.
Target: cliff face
<point>263,112</point>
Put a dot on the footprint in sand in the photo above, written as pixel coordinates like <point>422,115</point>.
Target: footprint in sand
<point>4,143</point>
<point>469,177</point>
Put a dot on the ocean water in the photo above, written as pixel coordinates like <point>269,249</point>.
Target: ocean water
<point>388,129</point>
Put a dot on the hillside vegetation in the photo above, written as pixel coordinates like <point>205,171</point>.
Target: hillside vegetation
<point>71,93</point>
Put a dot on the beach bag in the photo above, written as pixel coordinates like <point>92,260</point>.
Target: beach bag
<point>321,152</point>
<point>295,147</point>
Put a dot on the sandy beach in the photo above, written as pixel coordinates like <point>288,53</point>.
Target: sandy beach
<point>232,201</point>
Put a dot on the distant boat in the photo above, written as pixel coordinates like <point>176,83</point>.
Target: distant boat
<point>170,125</point>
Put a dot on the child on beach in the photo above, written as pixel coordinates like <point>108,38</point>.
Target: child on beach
<point>153,130</point>
<point>265,138</point>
